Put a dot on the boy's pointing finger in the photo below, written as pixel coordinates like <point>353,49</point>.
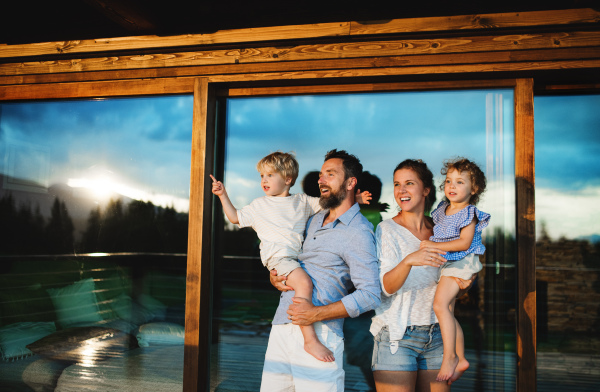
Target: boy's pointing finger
<point>213,179</point>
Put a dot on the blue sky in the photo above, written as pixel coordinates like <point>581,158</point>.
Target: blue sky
<point>382,129</point>
<point>145,143</point>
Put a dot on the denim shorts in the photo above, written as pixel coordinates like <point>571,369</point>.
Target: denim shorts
<point>420,348</point>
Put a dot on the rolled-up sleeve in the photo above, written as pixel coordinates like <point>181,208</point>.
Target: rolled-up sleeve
<point>361,256</point>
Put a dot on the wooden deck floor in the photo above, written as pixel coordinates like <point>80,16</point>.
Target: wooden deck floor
<point>240,359</point>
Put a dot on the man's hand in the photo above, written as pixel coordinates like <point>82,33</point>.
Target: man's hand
<point>279,282</point>
<point>302,312</point>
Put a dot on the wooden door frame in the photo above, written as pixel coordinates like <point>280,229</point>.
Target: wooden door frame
<point>524,190</point>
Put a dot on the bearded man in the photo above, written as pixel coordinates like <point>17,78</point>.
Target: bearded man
<point>339,254</point>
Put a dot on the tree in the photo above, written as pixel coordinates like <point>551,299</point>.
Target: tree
<point>59,231</point>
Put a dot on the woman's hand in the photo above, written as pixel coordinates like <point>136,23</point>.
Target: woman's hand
<point>427,255</point>
<point>395,278</point>
<point>279,282</point>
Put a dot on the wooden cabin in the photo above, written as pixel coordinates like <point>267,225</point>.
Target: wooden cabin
<point>220,53</point>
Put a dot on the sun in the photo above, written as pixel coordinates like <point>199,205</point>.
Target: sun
<point>101,188</point>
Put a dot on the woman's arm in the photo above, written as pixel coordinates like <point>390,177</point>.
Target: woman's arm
<point>394,279</point>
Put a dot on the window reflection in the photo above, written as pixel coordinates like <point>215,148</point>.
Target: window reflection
<point>567,147</point>
<point>381,129</point>
<point>94,200</point>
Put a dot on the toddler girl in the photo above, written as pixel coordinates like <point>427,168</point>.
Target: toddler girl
<point>457,230</point>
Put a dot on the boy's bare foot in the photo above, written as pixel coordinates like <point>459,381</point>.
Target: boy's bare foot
<point>462,366</point>
<point>447,369</point>
<point>317,350</point>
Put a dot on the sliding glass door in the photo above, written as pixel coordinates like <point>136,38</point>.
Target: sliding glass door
<point>382,129</point>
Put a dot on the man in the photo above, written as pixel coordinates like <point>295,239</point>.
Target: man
<point>338,254</point>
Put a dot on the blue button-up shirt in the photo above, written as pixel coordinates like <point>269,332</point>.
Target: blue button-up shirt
<point>339,256</point>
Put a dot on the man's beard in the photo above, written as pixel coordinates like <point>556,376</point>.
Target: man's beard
<point>334,199</point>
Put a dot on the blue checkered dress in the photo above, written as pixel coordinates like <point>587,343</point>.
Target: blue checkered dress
<point>447,228</point>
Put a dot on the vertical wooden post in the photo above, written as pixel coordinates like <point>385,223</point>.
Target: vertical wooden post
<point>525,204</point>
<point>197,308</point>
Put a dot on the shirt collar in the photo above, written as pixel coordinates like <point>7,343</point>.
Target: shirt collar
<point>347,216</point>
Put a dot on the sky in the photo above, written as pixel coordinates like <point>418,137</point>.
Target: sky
<point>141,147</point>
<point>382,129</point>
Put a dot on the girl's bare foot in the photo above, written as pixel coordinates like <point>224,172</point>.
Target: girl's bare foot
<point>319,351</point>
<point>447,369</point>
<point>462,366</point>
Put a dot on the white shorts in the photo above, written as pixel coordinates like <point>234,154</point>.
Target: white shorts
<point>283,265</point>
<point>289,368</point>
<point>463,268</point>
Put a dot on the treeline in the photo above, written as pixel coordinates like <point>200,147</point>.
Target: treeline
<point>137,227</point>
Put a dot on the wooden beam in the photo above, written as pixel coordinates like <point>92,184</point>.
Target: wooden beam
<point>197,308</point>
<point>579,87</point>
<point>537,55</point>
<point>365,49</point>
<point>257,34</point>
<point>585,16</point>
<point>478,22</point>
<point>525,209</point>
<point>182,85</point>
<point>364,87</point>
<point>400,71</point>
<point>97,89</point>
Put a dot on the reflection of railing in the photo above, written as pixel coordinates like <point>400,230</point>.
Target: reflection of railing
<point>26,279</point>
<point>244,271</point>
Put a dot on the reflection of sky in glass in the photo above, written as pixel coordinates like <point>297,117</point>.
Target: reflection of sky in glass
<point>382,129</point>
<point>138,147</point>
<point>567,164</point>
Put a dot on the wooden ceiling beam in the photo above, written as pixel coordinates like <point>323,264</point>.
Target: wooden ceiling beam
<point>539,55</point>
<point>586,16</point>
<point>484,44</point>
<point>184,85</point>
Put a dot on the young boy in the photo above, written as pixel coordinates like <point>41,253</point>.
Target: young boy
<point>279,220</point>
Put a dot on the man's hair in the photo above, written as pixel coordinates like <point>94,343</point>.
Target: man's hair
<point>478,181</point>
<point>424,174</point>
<point>351,164</point>
<point>283,163</point>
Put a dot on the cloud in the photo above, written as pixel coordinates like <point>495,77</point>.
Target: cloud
<point>568,214</point>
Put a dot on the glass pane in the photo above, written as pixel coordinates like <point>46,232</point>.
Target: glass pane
<point>94,199</point>
<point>382,129</point>
<point>567,168</point>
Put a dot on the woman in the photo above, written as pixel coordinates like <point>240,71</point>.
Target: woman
<point>408,344</point>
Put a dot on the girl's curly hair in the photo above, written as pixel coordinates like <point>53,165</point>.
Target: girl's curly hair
<point>478,181</point>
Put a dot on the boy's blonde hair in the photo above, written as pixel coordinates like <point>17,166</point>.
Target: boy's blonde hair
<point>283,163</point>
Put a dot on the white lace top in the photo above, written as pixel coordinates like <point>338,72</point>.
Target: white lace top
<point>412,304</point>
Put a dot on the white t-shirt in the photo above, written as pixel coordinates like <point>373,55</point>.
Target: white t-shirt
<point>412,304</point>
<point>279,223</point>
